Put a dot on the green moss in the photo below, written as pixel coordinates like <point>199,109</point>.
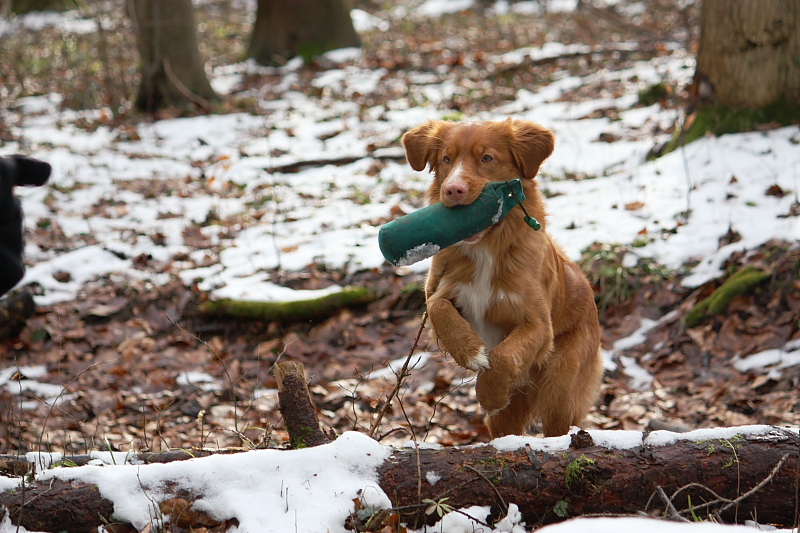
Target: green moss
<point>412,288</point>
<point>719,119</point>
<point>455,116</point>
<point>718,301</point>
<point>654,94</point>
<point>300,438</point>
<point>574,470</point>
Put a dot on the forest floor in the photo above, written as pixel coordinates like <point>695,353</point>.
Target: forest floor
<point>107,369</point>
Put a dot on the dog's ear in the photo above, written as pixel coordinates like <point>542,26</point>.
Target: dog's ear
<point>530,145</point>
<point>422,143</point>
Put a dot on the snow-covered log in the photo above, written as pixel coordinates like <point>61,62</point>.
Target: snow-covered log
<point>734,473</point>
<point>730,474</point>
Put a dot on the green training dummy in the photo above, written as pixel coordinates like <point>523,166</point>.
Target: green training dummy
<point>425,232</point>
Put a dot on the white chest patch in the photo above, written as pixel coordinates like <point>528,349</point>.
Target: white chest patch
<point>473,299</point>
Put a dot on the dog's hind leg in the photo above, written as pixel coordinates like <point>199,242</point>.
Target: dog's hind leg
<point>513,419</point>
<point>569,386</point>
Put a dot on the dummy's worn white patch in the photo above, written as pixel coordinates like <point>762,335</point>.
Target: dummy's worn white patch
<point>418,253</point>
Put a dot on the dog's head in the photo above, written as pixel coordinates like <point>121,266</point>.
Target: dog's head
<point>465,156</point>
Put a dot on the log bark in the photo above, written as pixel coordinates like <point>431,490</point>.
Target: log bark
<point>731,479</point>
<point>296,406</point>
<point>57,506</point>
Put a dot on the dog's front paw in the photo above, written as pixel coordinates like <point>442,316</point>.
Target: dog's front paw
<point>479,361</point>
<point>472,356</point>
<point>493,390</point>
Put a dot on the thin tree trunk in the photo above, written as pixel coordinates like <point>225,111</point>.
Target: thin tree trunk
<point>749,51</point>
<point>306,28</point>
<point>172,70</point>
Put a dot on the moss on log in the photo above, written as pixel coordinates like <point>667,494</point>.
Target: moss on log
<point>718,301</point>
<point>720,119</point>
<point>316,308</point>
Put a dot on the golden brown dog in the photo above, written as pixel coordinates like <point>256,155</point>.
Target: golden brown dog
<point>507,302</point>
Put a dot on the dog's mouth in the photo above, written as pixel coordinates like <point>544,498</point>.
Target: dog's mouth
<point>475,238</point>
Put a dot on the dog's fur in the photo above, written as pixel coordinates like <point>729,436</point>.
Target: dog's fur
<point>507,302</point>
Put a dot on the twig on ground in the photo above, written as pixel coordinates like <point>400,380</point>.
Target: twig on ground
<point>489,481</point>
<point>400,377</point>
<point>700,486</point>
<point>224,369</point>
<point>414,440</point>
<point>720,499</point>
<point>757,487</point>
<point>201,102</point>
<point>670,512</point>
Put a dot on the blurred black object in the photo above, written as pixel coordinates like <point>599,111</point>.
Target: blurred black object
<point>16,170</point>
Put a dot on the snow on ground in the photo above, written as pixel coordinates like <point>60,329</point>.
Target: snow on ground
<point>111,194</point>
<point>324,214</point>
<point>116,197</point>
<point>312,490</point>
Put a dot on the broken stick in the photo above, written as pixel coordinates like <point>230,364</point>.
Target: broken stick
<point>297,409</point>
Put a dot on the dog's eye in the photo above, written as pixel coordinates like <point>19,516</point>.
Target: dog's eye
<point>447,160</point>
<point>486,158</point>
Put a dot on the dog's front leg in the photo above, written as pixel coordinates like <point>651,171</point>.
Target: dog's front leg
<point>510,362</point>
<point>457,335</point>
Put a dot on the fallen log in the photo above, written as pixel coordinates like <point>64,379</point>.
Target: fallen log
<point>297,166</point>
<point>730,474</point>
<point>313,309</point>
<point>737,478</point>
<point>57,506</point>
<point>20,465</point>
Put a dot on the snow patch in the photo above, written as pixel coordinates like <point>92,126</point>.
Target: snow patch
<point>780,358</point>
<point>252,486</point>
<point>418,360</point>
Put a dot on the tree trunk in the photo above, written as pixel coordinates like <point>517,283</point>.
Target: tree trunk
<point>749,51</point>
<point>285,29</point>
<point>172,70</point>
<point>738,478</point>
